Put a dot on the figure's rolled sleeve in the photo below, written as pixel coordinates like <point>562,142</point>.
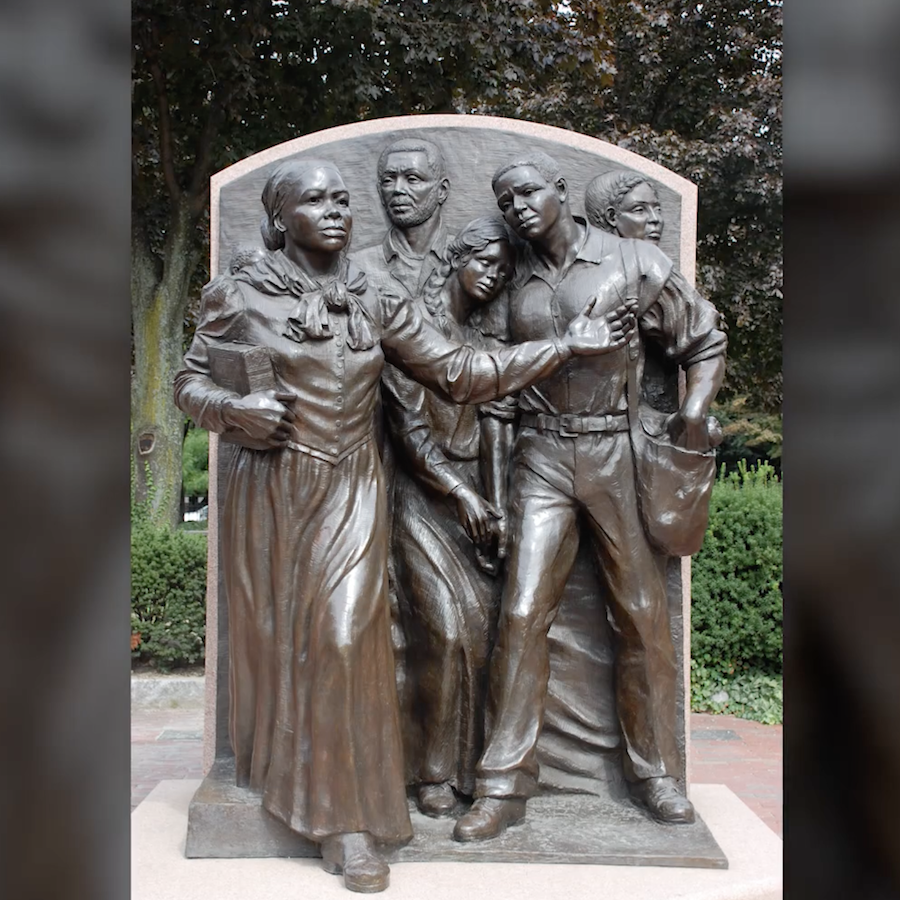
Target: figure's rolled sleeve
<point>506,408</point>
<point>195,392</point>
<point>457,371</point>
<point>404,404</point>
<point>684,323</point>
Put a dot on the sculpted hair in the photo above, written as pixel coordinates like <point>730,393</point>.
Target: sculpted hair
<point>245,256</point>
<point>285,177</point>
<point>474,237</point>
<point>608,190</point>
<point>414,145</point>
<point>537,159</point>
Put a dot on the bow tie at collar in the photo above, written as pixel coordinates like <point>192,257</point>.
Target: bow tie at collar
<point>316,298</point>
<point>309,318</point>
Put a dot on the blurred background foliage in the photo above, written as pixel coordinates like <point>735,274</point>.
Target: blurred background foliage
<point>195,464</point>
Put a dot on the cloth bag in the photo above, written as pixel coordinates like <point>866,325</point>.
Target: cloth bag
<point>674,484</point>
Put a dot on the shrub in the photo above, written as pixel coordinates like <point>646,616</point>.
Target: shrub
<point>755,437</point>
<point>736,610</point>
<point>750,695</point>
<point>195,463</point>
<point>168,589</point>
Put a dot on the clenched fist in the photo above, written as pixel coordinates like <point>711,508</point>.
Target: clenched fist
<point>263,416</point>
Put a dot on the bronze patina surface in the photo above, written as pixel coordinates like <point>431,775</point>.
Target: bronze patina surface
<point>448,415</point>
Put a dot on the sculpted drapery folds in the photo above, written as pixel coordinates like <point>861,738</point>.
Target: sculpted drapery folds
<point>449,525</point>
<point>314,717</point>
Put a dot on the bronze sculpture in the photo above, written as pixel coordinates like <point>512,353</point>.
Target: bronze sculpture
<point>573,459</point>
<point>450,483</point>
<point>314,719</point>
<point>242,257</point>
<point>626,204</point>
<point>412,186</point>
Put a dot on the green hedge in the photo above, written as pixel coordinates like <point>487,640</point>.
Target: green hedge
<point>168,591</point>
<point>736,608</point>
<point>736,613</point>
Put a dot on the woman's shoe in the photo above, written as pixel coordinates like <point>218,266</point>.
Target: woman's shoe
<point>354,856</point>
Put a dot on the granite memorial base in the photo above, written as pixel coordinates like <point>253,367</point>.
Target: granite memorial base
<point>162,871</point>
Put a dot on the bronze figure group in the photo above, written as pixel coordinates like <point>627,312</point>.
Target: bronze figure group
<point>497,358</point>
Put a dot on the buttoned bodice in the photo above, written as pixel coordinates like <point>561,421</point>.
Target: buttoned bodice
<point>335,386</point>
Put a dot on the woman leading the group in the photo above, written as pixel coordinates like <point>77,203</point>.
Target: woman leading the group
<point>314,717</point>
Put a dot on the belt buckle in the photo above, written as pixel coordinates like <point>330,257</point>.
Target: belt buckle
<point>567,426</point>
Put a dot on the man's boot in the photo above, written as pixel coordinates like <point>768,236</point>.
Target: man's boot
<point>664,801</point>
<point>488,817</point>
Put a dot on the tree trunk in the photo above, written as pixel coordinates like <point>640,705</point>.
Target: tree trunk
<point>159,301</point>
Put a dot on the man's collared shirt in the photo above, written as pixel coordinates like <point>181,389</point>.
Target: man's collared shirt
<point>543,303</point>
<point>390,265</point>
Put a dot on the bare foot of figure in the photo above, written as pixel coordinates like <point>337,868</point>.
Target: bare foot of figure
<point>436,800</point>
<point>354,856</point>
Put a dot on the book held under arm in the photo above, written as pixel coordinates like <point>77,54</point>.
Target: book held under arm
<point>244,369</point>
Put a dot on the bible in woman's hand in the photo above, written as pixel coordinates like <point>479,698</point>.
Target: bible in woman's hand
<point>242,368</point>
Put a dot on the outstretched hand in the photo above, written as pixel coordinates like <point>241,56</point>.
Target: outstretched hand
<point>587,336</point>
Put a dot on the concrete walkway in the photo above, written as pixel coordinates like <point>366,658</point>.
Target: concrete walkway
<point>745,756</point>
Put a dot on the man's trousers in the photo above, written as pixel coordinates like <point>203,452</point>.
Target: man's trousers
<point>563,487</point>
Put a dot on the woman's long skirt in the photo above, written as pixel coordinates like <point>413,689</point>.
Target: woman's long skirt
<point>314,712</point>
<point>449,607</point>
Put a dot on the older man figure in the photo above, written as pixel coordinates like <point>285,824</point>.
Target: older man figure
<point>413,187</point>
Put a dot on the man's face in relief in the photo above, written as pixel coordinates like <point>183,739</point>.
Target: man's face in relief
<point>410,192</point>
<point>530,205</point>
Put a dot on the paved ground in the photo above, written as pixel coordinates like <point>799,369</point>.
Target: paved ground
<point>165,744</point>
<point>745,756</point>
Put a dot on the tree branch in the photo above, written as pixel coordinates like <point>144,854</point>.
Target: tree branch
<point>200,200</point>
<point>198,192</point>
<point>165,125</point>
